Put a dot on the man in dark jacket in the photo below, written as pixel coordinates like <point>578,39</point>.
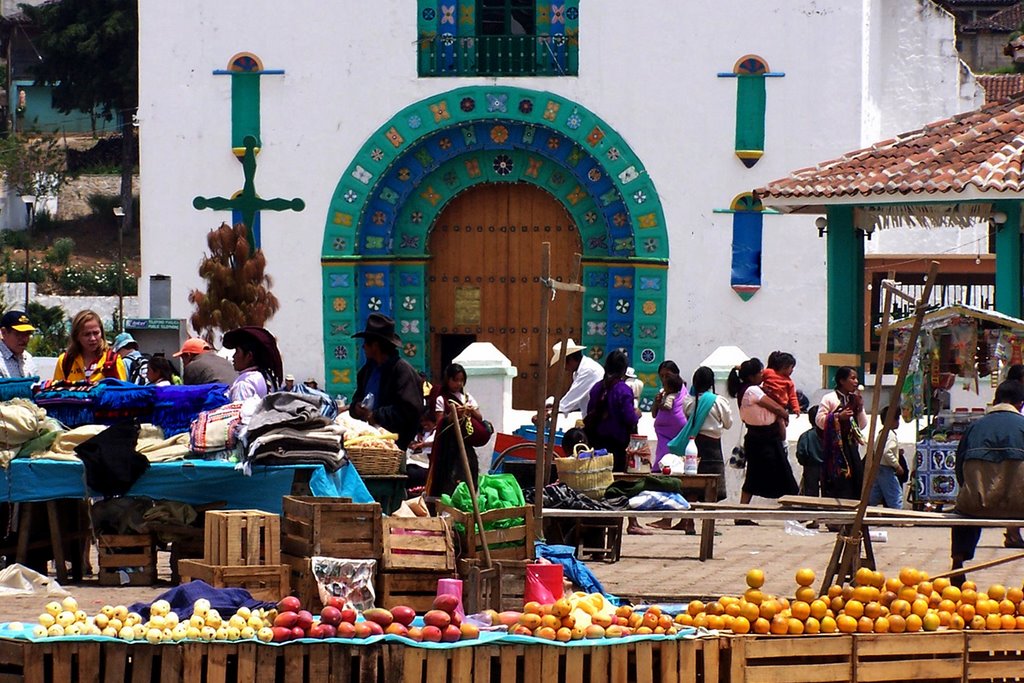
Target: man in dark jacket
<point>397,394</point>
<point>990,470</point>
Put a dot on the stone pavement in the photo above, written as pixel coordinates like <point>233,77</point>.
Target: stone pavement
<point>664,566</point>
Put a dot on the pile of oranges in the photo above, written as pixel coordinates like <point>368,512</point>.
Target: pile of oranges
<point>873,604</point>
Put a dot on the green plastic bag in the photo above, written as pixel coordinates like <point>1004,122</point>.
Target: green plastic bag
<point>494,492</point>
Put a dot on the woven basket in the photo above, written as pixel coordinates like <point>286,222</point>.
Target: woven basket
<point>589,476</point>
<point>375,460</point>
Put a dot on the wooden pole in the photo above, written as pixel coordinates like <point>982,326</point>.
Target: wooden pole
<point>851,545</point>
<point>983,565</point>
<point>542,389</point>
<point>470,483</point>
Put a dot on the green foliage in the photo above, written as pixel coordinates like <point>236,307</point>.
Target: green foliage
<point>14,270</point>
<point>99,280</point>
<point>91,54</point>
<point>60,253</point>
<point>33,165</point>
<point>51,336</point>
<point>15,239</point>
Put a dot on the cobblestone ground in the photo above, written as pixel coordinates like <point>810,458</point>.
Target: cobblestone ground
<point>664,566</point>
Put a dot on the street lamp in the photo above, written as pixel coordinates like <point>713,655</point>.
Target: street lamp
<point>119,212</point>
<point>30,213</point>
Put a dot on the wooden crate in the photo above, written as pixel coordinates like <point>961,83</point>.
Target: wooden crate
<point>111,662</point>
<point>500,589</point>
<point>302,583</point>
<point>418,543</point>
<point>509,543</point>
<point>135,554</point>
<point>264,582</point>
<point>994,656</point>
<point>331,527</point>
<point>937,657</point>
<point>242,537</point>
<point>413,589</point>
<point>783,659</point>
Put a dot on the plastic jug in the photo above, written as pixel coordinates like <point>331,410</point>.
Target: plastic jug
<point>690,458</point>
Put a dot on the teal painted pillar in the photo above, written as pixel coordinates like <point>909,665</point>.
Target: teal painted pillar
<point>845,262</point>
<point>1008,255</point>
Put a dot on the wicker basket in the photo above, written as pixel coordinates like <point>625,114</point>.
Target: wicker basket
<point>369,460</point>
<point>589,476</point>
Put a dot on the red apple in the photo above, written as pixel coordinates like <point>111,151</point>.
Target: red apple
<point>403,615</point>
<point>328,631</point>
<point>346,630</point>
<point>451,634</point>
<point>349,614</point>
<point>286,619</point>
<point>289,603</point>
<point>431,634</point>
<point>298,632</point>
<point>305,620</point>
<point>330,615</point>
<point>281,634</point>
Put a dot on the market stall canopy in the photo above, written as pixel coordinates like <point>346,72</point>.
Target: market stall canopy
<point>942,316</point>
<point>959,162</point>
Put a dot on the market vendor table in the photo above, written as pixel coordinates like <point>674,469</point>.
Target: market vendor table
<point>196,482</point>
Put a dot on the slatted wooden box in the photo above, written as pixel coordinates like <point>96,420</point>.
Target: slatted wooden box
<point>781,659</point>
<point>331,527</point>
<point>132,554</point>
<point>506,543</point>
<point>264,582</point>
<point>937,657</point>
<point>413,589</point>
<point>242,537</point>
<point>302,583</point>
<point>502,588</point>
<point>418,543</point>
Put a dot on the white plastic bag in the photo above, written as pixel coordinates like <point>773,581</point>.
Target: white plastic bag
<point>675,463</point>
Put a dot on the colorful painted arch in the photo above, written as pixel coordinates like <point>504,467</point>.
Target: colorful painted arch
<point>374,251</point>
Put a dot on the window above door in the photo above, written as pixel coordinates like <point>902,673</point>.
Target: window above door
<point>497,38</point>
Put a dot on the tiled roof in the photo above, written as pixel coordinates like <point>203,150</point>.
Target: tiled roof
<point>976,3</point>
<point>1004,21</point>
<point>981,150</point>
<point>1000,86</point>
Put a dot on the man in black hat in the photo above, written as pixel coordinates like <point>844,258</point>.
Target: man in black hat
<point>397,396</point>
<point>15,331</point>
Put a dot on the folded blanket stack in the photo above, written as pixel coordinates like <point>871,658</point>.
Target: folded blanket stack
<point>288,429</point>
<point>16,387</point>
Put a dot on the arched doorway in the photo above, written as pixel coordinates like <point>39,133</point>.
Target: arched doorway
<point>484,273</point>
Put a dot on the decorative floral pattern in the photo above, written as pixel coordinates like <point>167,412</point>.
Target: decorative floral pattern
<point>594,174</point>
<point>379,218</point>
<point>612,154</point>
<point>362,175</point>
<point>410,326</point>
<point>467,104</point>
<point>409,349</point>
<point>572,13</point>
<point>597,329</point>
<point>639,197</point>
<point>623,305</point>
<point>554,142</point>
<point>574,120</point>
<point>503,164</point>
<point>445,144</point>
<point>429,14</point>
<point>450,178</point>
<point>649,307</point>
<point>499,134</point>
<point>590,217</point>
<point>497,103</point>
<point>374,303</point>
<point>596,352</point>
<point>409,279</point>
<point>377,154</point>
<point>415,121</point>
<point>650,245</point>
<point>646,403</point>
<point>410,242</point>
<point>416,217</point>
<point>648,355</point>
<point>525,106</point>
<point>339,304</point>
<point>447,39</point>
<point>597,304</point>
<point>558,14</point>
<point>340,244</point>
<point>340,352</point>
<point>557,178</point>
<point>350,196</point>
<point>339,329</point>
<point>619,219</point>
<point>404,174</point>
<point>339,280</point>
<point>409,303</point>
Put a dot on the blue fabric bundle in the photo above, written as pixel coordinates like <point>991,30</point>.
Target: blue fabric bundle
<point>183,598</point>
<point>177,406</point>
<point>119,400</point>
<point>16,387</point>
<point>73,405</point>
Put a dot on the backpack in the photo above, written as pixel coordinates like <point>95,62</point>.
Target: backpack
<point>139,369</point>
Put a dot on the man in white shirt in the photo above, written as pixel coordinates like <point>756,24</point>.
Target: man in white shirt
<point>15,331</point>
<point>586,372</point>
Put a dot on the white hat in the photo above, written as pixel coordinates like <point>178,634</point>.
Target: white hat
<point>571,347</point>
<point>289,378</point>
<point>630,373</point>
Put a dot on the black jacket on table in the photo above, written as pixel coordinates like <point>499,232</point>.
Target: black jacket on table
<point>399,406</point>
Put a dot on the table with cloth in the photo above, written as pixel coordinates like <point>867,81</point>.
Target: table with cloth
<point>196,482</point>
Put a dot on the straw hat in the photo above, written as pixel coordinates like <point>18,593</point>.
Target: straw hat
<point>571,347</point>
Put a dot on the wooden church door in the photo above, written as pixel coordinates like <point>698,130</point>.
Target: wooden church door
<point>484,278</point>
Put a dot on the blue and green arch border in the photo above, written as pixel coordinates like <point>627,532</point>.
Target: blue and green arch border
<point>374,254</point>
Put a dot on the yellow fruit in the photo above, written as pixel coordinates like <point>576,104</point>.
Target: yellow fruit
<point>919,607</point>
<point>53,608</point>
<point>66,618</point>
<point>897,624</point>
<point>930,621</point>
<point>806,594</point>
<point>120,612</point>
<point>940,584</point>
<point>925,588</point>
<point>46,620</point>
<point>956,622</point>
<point>800,610</point>
<point>265,634</point>
<point>914,623</point>
<point>881,625</point>
<point>828,625</point>
<point>126,633</point>
<point>846,624</point>
<point>1014,594</point>
<point>769,608</point>
<point>864,577</point>
<point>779,625</point>
<point>796,627</point>
<point>982,608</point>
<point>804,577</point>
<point>740,625</point>
<point>762,626</point>
<point>900,607</point>
<point>55,630</point>
<point>69,604</point>
<point>754,596</point>
<point>854,608</point>
<point>873,610</point>
<point>1007,622</point>
<point>908,593</point>
<point>755,578</point>
<point>694,608</point>
<point>819,608</point>
<point>997,591</point>
<point>865,625</point>
<point>750,610</point>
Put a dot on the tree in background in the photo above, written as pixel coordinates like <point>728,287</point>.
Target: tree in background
<point>51,335</point>
<point>33,165</point>
<point>237,286</point>
<point>91,60</point>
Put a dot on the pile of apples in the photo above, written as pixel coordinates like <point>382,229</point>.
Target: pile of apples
<point>581,616</point>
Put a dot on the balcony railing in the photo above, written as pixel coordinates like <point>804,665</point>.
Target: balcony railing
<point>498,55</point>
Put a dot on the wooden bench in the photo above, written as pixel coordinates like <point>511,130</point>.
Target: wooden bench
<point>706,486</point>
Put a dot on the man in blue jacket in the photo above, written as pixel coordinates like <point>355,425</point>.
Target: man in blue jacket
<point>990,470</point>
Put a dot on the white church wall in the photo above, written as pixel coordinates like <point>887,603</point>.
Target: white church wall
<point>651,74</point>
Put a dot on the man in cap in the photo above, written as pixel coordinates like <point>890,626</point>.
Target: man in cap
<point>397,394</point>
<point>136,365</point>
<point>203,365</point>
<point>15,331</point>
<point>289,383</point>
<point>586,372</point>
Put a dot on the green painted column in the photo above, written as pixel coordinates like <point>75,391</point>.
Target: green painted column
<point>1008,256</point>
<point>845,263</point>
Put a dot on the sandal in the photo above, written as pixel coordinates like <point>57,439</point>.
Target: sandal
<point>745,522</point>
<point>639,531</point>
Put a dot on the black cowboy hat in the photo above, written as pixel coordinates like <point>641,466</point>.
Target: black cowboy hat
<point>381,327</point>
<point>263,339</point>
